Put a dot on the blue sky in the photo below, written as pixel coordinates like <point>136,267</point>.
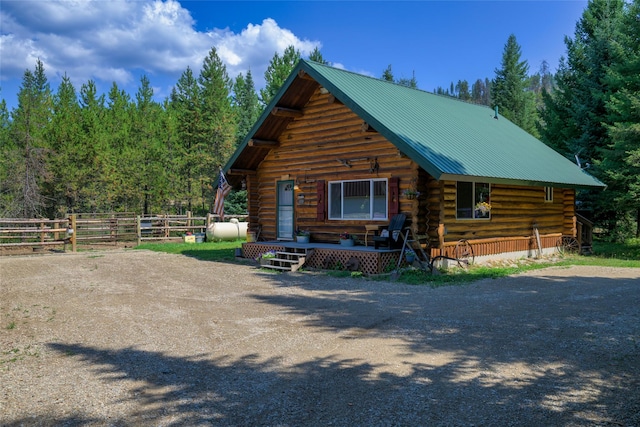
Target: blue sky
<point>107,41</point>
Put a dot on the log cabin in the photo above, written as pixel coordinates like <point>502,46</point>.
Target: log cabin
<point>338,152</point>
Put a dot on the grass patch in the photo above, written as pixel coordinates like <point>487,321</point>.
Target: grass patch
<point>208,251</point>
<point>459,276</point>
<point>605,254</point>
<point>627,251</point>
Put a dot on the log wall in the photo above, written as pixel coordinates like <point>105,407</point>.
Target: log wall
<point>310,150</point>
<point>515,210</point>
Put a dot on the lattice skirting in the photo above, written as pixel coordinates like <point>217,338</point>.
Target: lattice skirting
<point>369,262</point>
<point>376,262</point>
<point>253,251</point>
<point>328,259</point>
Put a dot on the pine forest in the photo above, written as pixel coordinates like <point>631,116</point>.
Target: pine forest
<point>70,149</point>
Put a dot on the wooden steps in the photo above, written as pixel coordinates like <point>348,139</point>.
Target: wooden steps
<point>291,259</point>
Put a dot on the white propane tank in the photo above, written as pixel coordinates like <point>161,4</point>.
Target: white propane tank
<point>232,230</point>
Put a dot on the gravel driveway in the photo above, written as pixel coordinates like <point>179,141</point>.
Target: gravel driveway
<point>136,338</point>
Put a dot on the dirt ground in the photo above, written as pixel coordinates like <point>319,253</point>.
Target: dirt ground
<point>136,338</point>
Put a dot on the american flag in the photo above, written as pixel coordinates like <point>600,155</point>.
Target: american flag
<point>223,190</point>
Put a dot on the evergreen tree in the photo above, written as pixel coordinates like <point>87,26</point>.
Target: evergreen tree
<point>575,116</point>
<point>8,158</point>
<point>65,139</point>
<point>546,77</point>
<point>555,128</point>
<point>316,56</point>
<point>246,104</point>
<point>29,124</point>
<point>478,90</point>
<point>462,87</point>
<point>509,88</point>
<point>540,82</point>
<point>621,158</point>
<point>387,74</point>
<point>186,108</point>
<point>169,137</point>
<point>276,74</point>
<point>412,82</point>
<point>487,98</point>
<point>92,149</point>
<point>148,156</point>
<point>119,194</point>
<point>218,119</point>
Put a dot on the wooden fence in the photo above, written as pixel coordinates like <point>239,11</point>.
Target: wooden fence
<point>38,233</point>
<point>109,228</point>
<point>96,229</point>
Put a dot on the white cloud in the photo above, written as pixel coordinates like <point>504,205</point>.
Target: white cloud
<point>116,40</point>
<point>255,45</point>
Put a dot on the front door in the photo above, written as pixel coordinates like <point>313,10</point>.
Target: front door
<point>284,202</point>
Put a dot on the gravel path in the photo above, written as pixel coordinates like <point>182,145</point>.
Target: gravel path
<point>136,338</point>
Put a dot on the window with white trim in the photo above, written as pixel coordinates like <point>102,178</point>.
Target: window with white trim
<point>548,194</point>
<point>473,200</point>
<point>361,199</point>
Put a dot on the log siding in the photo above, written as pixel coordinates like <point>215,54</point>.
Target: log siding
<point>328,142</point>
<point>315,147</point>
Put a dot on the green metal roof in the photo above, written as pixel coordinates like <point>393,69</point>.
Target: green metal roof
<point>449,138</point>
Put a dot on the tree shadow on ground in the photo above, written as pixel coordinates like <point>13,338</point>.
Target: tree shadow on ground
<point>514,356</point>
<point>574,342</point>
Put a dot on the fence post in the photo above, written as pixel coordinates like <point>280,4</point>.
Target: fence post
<point>72,231</point>
<point>166,226</point>
<point>138,230</point>
<point>209,218</point>
<point>113,229</point>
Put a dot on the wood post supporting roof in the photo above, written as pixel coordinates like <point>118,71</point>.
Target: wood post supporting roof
<point>286,112</point>
<point>333,100</point>
<point>263,143</point>
<point>366,127</point>
<point>303,75</point>
<point>241,172</point>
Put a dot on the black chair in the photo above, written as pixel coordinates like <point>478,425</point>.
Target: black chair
<point>390,236</point>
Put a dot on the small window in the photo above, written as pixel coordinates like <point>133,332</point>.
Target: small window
<point>548,194</point>
<point>365,199</point>
<point>473,200</point>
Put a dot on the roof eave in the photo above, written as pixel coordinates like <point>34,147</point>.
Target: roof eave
<point>509,181</point>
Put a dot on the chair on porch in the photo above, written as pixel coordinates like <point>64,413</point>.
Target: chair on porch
<point>391,235</point>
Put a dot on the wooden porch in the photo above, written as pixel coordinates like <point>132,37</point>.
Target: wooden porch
<point>328,256</point>
<point>368,260</point>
